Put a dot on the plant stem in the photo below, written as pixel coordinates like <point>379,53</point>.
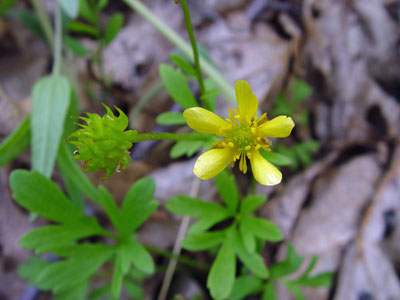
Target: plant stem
<point>178,244</point>
<point>183,259</point>
<point>44,22</point>
<point>57,41</point>
<point>155,136</point>
<point>190,32</point>
<point>225,87</point>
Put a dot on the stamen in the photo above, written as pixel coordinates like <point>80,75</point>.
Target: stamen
<point>247,148</point>
<point>230,144</point>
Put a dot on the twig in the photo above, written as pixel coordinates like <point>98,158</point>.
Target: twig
<point>178,245</point>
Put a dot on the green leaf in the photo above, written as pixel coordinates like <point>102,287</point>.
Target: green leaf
<point>253,261</point>
<point>295,290</point>
<point>177,86</point>
<point>29,19</point>
<point>137,205</point>
<point>133,290</point>
<point>70,7</point>
<point>53,237</point>
<point>141,258</point>
<point>77,292</point>
<point>227,189</point>
<point>101,4</point>
<point>63,275</point>
<point>101,291</point>
<point>269,292</point>
<point>204,241</point>
<point>6,5</point>
<point>187,148</point>
<point>210,96</point>
<point>291,263</point>
<point>82,28</point>
<point>262,229</point>
<point>320,280</point>
<point>111,209</point>
<point>245,286</point>
<point>76,46</point>
<point>276,158</point>
<point>40,195</point>
<point>71,172</point>
<point>222,274</point>
<point>117,278</point>
<point>31,269</point>
<point>301,91</point>
<point>16,142</point>
<point>281,107</point>
<point>50,102</point>
<point>251,203</point>
<point>171,118</point>
<point>184,205</point>
<point>248,238</point>
<point>87,12</point>
<point>113,26</point>
<point>183,65</point>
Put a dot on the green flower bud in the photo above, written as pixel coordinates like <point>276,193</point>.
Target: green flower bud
<point>102,144</point>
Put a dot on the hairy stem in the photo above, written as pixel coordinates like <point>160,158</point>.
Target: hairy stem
<point>154,136</point>
<point>190,32</point>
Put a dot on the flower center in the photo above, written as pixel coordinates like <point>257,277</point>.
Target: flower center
<point>242,136</point>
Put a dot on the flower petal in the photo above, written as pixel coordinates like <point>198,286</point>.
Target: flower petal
<point>212,162</point>
<point>246,100</point>
<point>279,127</point>
<point>204,121</point>
<point>264,172</point>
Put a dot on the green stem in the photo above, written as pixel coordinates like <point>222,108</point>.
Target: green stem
<point>225,87</point>
<point>44,22</point>
<point>182,259</point>
<point>57,41</point>
<point>156,136</point>
<point>190,32</point>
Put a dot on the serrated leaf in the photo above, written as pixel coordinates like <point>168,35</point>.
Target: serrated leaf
<point>269,292</point>
<point>288,266</point>
<point>113,26</point>
<point>52,237</point>
<point>40,195</point>
<point>82,28</point>
<point>77,292</point>
<point>245,286</point>
<point>117,278</point>
<point>262,229</point>
<point>319,280</point>
<point>203,241</point>
<point>101,4</point>
<point>183,65</point>
<point>137,205</point>
<point>227,189</point>
<point>187,148</point>
<point>251,202</point>
<point>253,261</point>
<point>31,269</point>
<point>222,274</point>
<point>171,118</point>
<point>248,238</point>
<point>184,205</point>
<point>16,142</point>
<point>50,102</point>
<point>76,46</point>
<point>63,275</point>
<point>133,290</point>
<point>141,258</point>
<point>70,7</point>
<point>276,158</point>
<point>177,86</point>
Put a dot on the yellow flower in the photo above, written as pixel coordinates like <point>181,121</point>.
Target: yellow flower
<point>244,134</point>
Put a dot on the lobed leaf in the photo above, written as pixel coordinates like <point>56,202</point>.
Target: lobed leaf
<point>204,241</point>
<point>251,202</point>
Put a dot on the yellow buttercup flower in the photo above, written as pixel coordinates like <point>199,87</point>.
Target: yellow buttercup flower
<point>243,133</point>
